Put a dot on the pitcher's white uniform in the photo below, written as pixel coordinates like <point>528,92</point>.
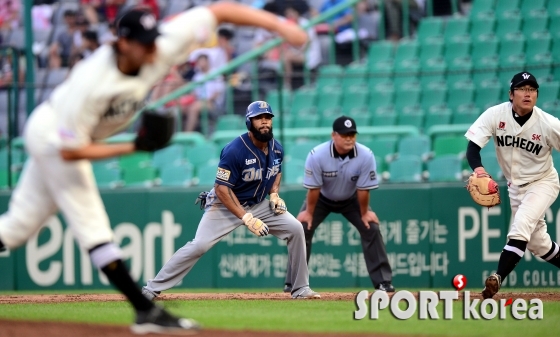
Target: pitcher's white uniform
<point>93,103</point>
<point>524,154</point>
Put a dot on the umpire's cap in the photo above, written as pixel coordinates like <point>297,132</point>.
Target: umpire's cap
<point>138,24</point>
<point>344,125</point>
<point>522,79</point>
<point>257,108</point>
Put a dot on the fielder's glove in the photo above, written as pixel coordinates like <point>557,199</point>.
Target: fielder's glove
<point>277,204</point>
<point>483,189</point>
<point>255,225</point>
<point>155,131</point>
<point>201,199</point>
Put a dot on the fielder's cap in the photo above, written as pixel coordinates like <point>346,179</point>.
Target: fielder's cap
<point>523,79</point>
<point>344,125</point>
<point>138,24</point>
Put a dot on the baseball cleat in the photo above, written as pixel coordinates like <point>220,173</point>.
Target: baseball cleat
<point>386,286</point>
<point>287,288</point>
<point>151,295</point>
<point>491,286</point>
<point>305,294</point>
<point>157,320</point>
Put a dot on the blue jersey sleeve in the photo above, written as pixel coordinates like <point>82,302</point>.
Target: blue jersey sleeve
<point>228,169</point>
<point>279,151</point>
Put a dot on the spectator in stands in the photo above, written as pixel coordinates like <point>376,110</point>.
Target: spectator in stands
<point>301,6</point>
<point>10,14</point>
<point>110,35</point>
<point>393,15</point>
<point>221,54</point>
<point>41,16</point>
<point>101,10</point>
<point>61,48</point>
<point>210,96</point>
<point>90,43</point>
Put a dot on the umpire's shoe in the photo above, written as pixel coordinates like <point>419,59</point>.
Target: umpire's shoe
<point>157,320</point>
<point>151,295</point>
<point>305,294</point>
<point>492,286</point>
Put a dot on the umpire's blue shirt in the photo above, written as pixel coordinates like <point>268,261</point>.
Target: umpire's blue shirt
<point>338,177</point>
<point>247,170</point>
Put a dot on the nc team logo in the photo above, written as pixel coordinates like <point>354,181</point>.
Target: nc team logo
<point>426,303</point>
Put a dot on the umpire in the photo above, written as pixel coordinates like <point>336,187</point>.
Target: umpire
<point>339,175</point>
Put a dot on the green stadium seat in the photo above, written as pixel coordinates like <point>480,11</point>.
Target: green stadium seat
<point>206,173</point>
<point>466,114</point>
<point>381,71</point>
<point>445,168</point>
<point>201,154</point>
<point>169,156</point>
<point>360,115</point>
<point>431,49</point>
<point>540,66</point>
<point>553,8</point>
<point>383,116</point>
<point>508,23</point>
<point>232,122</point>
<point>354,97</point>
<point>105,163</point>
<point>513,44</point>
<point>4,179</point>
<point>548,92</point>
<point>488,149</point>
<point>419,145</point>
<point>510,65</point>
<point>488,95</point>
<point>554,26</point>
<point>139,177</point>
<point>380,51</point>
<point>293,172</point>
<point>556,160</point>
<point>406,169</point>
<point>460,95</point>
<point>382,147</point>
<point>456,29</point>
<point>433,96</point>
<point>460,49</point>
<point>484,48</point>
<point>300,150</point>
<point>433,72</point>
<point>430,28</point>
<point>176,175</point>
<point>482,8</point>
<point>507,5</point>
<point>539,44</point>
<point>382,95</point>
<point>482,26</point>
<point>485,70</point>
<point>552,108</point>
<point>437,116</point>
<point>528,6</point>
<point>328,116</point>
<point>407,96</point>
<point>406,73</point>
<point>329,75</point>
<point>135,160</point>
<point>106,177</point>
<point>535,22</point>
<point>491,165</point>
<point>407,50</point>
<point>459,71</point>
<point>355,74</point>
<point>411,115</point>
<point>328,97</point>
<point>273,98</point>
<point>456,145</point>
<point>303,101</point>
<point>305,121</point>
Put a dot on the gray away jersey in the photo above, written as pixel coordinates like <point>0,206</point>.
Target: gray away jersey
<point>339,178</point>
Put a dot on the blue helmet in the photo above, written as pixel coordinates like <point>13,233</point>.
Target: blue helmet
<point>257,108</point>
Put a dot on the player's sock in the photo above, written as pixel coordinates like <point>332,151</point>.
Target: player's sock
<point>553,255</point>
<point>510,257</point>
<point>120,277</point>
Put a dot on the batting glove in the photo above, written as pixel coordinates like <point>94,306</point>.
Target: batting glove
<point>277,204</point>
<point>255,225</point>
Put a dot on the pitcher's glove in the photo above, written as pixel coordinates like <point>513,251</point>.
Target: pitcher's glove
<point>155,131</point>
<point>201,199</point>
<point>277,204</point>
<point>255,225</point>
<point>483,189</point>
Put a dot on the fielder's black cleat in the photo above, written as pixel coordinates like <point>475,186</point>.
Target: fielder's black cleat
<point>157,320</point>
<point>386,286</point>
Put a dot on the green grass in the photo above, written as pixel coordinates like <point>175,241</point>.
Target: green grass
<point>318,316</point>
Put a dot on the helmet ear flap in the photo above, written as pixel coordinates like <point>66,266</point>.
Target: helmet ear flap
<point>248,123</point>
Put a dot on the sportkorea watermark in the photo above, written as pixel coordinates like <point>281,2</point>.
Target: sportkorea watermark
<point>425,305</point>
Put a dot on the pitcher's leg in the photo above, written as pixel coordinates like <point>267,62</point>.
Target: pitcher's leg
<point>216,223</point>
<point>30,206</point>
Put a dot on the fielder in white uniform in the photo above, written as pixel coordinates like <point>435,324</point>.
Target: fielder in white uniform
<point>98,99</point>
<point>524,137</point>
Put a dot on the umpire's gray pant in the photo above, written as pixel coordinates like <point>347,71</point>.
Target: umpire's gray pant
<point>218,222</point>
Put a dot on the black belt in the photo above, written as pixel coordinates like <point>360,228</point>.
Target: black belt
<point>527,184</point>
